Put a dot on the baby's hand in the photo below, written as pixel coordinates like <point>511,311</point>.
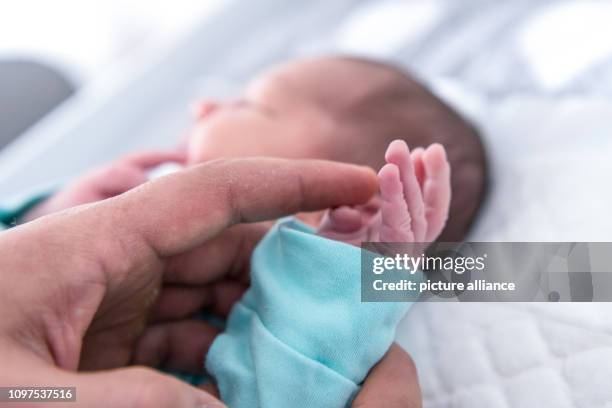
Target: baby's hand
<point>413,204</point>
<point>105,182</point>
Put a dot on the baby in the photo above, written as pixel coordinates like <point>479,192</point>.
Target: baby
<point>341,109</point>
<point>346,110</point>
<point>300,336</point>
<point>335,108</point>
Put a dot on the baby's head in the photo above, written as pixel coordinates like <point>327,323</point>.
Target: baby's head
<point>347,110</point>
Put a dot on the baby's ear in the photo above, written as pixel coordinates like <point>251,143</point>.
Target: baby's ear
<point>200,109</point>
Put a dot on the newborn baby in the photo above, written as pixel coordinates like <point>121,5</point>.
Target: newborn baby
<point>301,336</point>
<point>347,110</point>
<point>334,108</point>
<point>340,109</point>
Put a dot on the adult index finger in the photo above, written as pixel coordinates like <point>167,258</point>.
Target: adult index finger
<point>179,212</point>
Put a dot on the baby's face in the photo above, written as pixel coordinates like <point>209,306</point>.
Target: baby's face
<point>274,118</point>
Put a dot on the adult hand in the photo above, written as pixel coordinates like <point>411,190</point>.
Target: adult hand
<point>77,287</point>
<point>392,383</point>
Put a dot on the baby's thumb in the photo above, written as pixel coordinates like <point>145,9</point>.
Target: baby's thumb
<point>138,387</point>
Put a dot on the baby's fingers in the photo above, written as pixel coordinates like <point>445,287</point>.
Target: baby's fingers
<point>436,190</point>
<point>399,154</point>
<point>396,221</point>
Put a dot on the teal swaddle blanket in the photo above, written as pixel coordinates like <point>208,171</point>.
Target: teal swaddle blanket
<point>300,336</point>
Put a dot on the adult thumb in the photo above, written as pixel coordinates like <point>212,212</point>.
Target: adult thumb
<point>138,387</point>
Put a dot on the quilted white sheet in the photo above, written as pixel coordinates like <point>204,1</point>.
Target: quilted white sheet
<point>500,355</point>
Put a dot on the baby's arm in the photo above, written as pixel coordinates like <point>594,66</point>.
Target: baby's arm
<point>413,204</point>
<point>105,182</point>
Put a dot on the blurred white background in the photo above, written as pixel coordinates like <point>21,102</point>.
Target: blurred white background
<point>84,37</point>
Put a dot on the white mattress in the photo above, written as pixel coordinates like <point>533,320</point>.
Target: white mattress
<point>499,355</point>
<point>546,116</point>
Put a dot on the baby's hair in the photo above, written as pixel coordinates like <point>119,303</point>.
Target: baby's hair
<point>390,104</point>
